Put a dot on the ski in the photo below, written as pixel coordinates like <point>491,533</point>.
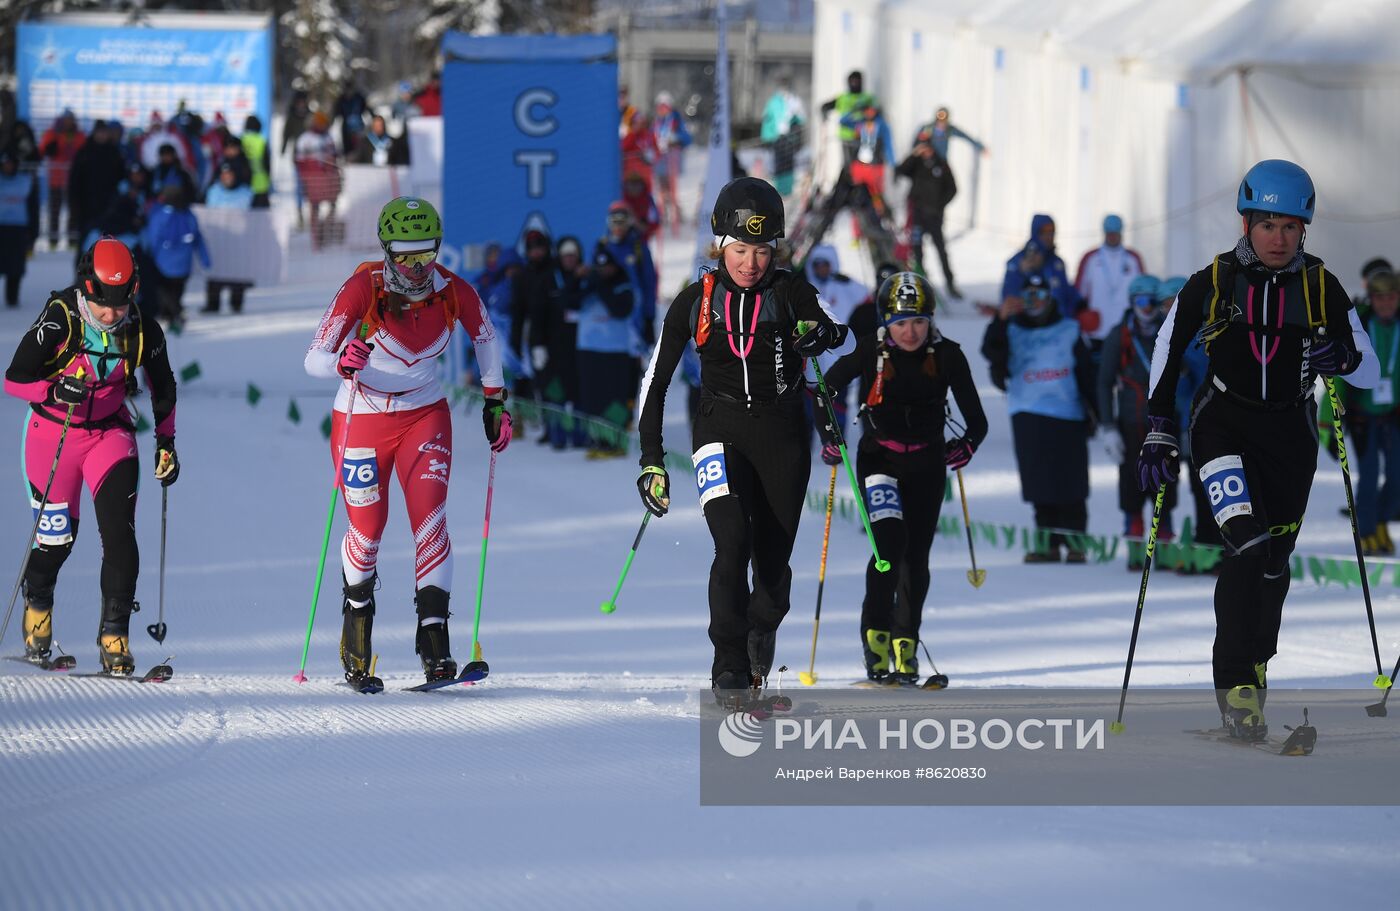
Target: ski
<point>472,672</point>
<point>934,682</point>
<point>1299,742</point>
<point>367,686</point>
<point>157,674</point>
<point>61,663</point>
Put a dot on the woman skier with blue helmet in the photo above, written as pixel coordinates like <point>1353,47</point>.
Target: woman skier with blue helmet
<point>1272,319</point>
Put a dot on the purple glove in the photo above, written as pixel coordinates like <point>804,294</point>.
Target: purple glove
<point>1158,459</point>
<point>1331,358</point>
<point>831,454</point>
<point>957,454</point>
<point>353,358</point>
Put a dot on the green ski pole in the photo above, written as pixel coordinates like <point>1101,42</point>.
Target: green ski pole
<point>881,564</point>
<point>610,605</point>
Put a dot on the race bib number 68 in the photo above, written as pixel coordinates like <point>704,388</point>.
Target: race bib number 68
<point>711,474</point>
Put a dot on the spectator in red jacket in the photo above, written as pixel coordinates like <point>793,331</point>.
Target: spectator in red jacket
<point>58,145</point>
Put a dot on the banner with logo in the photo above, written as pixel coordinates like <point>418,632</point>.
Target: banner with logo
<point>101,66</point>
<point>530,126</point>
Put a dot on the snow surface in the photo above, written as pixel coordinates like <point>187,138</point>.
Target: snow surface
<point>569,778</point>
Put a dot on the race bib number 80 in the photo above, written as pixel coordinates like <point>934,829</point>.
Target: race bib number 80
<point>882,497</point>
<point>711,475</point>
<point>359,471</point>
<point>55,526</point>
<point>1223,479</point>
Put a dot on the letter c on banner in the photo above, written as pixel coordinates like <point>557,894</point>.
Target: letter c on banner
<point>526,120</point>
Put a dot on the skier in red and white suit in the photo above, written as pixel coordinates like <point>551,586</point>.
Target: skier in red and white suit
<point>382,336</point>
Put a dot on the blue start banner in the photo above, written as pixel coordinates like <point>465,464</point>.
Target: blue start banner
<point>530,138</point>
<point>101,66</point>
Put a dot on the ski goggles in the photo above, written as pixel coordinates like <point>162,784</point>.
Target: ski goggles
<point>1035,294</point>
<point>1145,303</point>
<point>414,264</point>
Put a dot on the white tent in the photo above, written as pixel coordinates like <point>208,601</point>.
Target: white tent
<point>1152,110</point>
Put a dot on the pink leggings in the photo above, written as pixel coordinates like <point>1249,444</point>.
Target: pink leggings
<point>417,446</point>
<point>105,459</point>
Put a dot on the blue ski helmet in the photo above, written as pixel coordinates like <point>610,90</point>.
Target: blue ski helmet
<point>1278,187</point>
<point>1169,288</point>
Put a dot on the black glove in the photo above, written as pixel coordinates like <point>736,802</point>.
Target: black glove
<point>497,422</point>
<point>167,462</point>
<point>819,337</point>
<point>69,391</point>
<point>1332,358</point>
<point>655,487</point>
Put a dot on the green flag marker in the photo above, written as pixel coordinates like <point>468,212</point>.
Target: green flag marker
<point>254,394</point>
<point>293,412</point>
<point>326,427</point>
<point>142,425</point>
<point>189,371</point>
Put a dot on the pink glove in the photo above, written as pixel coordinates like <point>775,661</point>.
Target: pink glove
<point>498,424</point>
<point>831,454</point>
<point>353,358</point>
<point>957,454</point>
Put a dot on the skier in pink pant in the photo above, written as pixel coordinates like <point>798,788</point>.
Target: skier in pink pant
<point>79,360</point>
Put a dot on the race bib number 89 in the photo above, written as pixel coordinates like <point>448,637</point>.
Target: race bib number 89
<point>55,526</point>
<point>359,471</point>
<point>882,498</point>
<point>711,476</point>
<point>1223,479</point>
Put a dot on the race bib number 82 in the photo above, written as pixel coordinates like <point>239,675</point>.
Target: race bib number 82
<point>882,497</point>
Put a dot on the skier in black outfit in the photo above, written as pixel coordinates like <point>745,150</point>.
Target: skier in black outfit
<point>750,454</point>
<point>906,371</point>
<point>932,188</point>
<point>1272,319</point>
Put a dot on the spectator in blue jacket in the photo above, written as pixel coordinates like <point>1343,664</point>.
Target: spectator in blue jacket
<point>172,239</point>
<point>227,192</point>
<point>1039,358</point>
<point>1038,257</point>
<point>19,222</point>
<point>605,361</point>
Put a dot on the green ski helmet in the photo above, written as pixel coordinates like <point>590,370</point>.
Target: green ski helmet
<point>411,219</point>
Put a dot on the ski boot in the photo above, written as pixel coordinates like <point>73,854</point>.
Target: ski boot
<point>1244,716</point>
<point>877,655</point>
<point>762,645</point>
<point>731,690</point>
<point>433,644</point>
<point>1050,554</point>
<point>114,636</point>
<point>38,625</point>
<point>906,662</point>
<point>1387,545</point>
<point>356,654</point>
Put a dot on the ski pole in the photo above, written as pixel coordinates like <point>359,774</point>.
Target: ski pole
<point>1381,681</point>
<point>881,565</point>
<point>610,605</point>
<point>975,576</point>
<point>1378,710</point>
<point>809,677</point>
<point>38,516</point>
<point>300,676</point>
<point>476,662</point>
<point>157,629</point>
<point>1117,726</point>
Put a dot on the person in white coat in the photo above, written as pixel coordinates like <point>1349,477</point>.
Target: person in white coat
<point>1103,278</point>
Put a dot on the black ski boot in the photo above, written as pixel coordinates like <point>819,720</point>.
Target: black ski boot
<point>876,645</point>
<point>38,624</point>
<point>356,652</point>
<point>433,645</point>
<point>906,662</point>
<point>732,690</point>
<point>762,644</point>
<point>114,636</point>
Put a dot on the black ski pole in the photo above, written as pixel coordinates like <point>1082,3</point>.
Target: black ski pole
<point>1381,681</point>
<point>1117,726</point>
<point>157,629</point>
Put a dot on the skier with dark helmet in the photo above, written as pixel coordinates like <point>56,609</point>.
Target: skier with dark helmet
<point>1272,319</point>
<point>906,370</point>
<point>382,337</point>
<point>76,366</point>
<point>749,446</point>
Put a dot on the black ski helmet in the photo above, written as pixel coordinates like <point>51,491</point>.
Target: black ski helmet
<point>750,210</point>
<point>905,295</point>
